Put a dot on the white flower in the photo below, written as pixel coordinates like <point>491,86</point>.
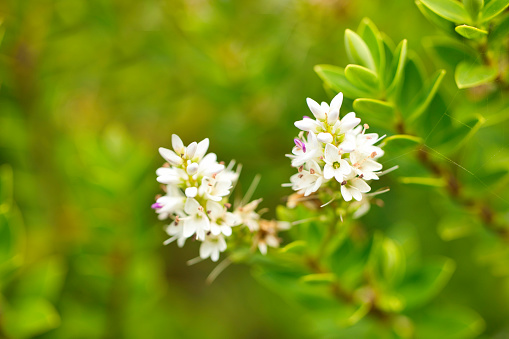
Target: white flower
<point>324,112</point>
<point>365,166</point>
<point>215,188</point>
<point>267,234</point>
<point>353,186</point>
<point>212,246</point>
<point>171,203</point>
<point>306,150</point>
<point>171,175</point>
<point>334,165</point>
<point>307,181</point>
<point>170,156</point>
<point>176,231</point>
<point>248,216</point>
<point>197,221</point>
<point>221,221</point>
<point>347,123</point>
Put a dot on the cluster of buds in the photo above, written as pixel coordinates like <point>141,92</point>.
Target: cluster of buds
<point>197,189</point>
<point>332,151</point>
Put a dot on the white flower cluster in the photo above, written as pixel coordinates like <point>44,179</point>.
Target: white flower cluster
<point>330,148</point>
<point>197,189</point>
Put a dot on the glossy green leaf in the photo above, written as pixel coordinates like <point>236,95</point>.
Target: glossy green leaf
<point>357,50</point>
<point>447,322</point>
<point>492,9</point>
<point>398,66</point>
<point>413,80</point>
<point>362,77</point>
<point>449,51</point>
<point>471,32</point>
<point>455,139</point>
<point>425,282</point>
<point>335,78</point>
<point>389,47</point>
<point>469,75</point>
<point>375,112</point>
<point>425,96</point>
<point>473,7</point>
<point>434,18</point>
<point>448,9</point>
<point>373,39</point>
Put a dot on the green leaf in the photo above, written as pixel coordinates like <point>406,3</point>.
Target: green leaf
<point>447,322</point>
<point>392,261</point>
<point>422,284</point>
<point>362,77</point>
<point>375,112</point>
<point>456,226</point>
<point>298,246</point>
<point>469,75</point>
<point>450,51</point>
<point>348,261</point>
<point>473,7</point>
<point>471,32</point>
<point>425,96</point>
<point>372,37</point>
<point>434,18</point>
<point>500,31</point>
<point>492,9</point>
<point>30,317</point>
<point>357,50</point>
<point>412,82</point>
<point>400,143</point>
<point>448,9</point>
<point>318,278</point>
<point>335,78</point>
<point>427,181</point>
<point>455,139</point>
<point>398,66</point>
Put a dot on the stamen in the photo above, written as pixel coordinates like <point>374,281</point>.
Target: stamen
<point>166,165</point>
<point>312,171</point>
<point>301,168</point>
<point>227,205</point>
<point>343,183</point>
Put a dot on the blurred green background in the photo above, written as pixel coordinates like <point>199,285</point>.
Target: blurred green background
<point>91,89</point>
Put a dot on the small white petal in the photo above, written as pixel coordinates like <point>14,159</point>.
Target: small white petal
<point>191,192</point>
<point>191,149</point>
<point>177,144</point>
<point>201,149</point>
<point>315,109</point>
<point>170,156</point>
<point>345,192</point>
<point>337,101</point>
<point>192,169</point>
<point>325,137</point>
<point>328,171</point>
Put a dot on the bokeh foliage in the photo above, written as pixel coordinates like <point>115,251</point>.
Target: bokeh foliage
<point>90,89</point>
